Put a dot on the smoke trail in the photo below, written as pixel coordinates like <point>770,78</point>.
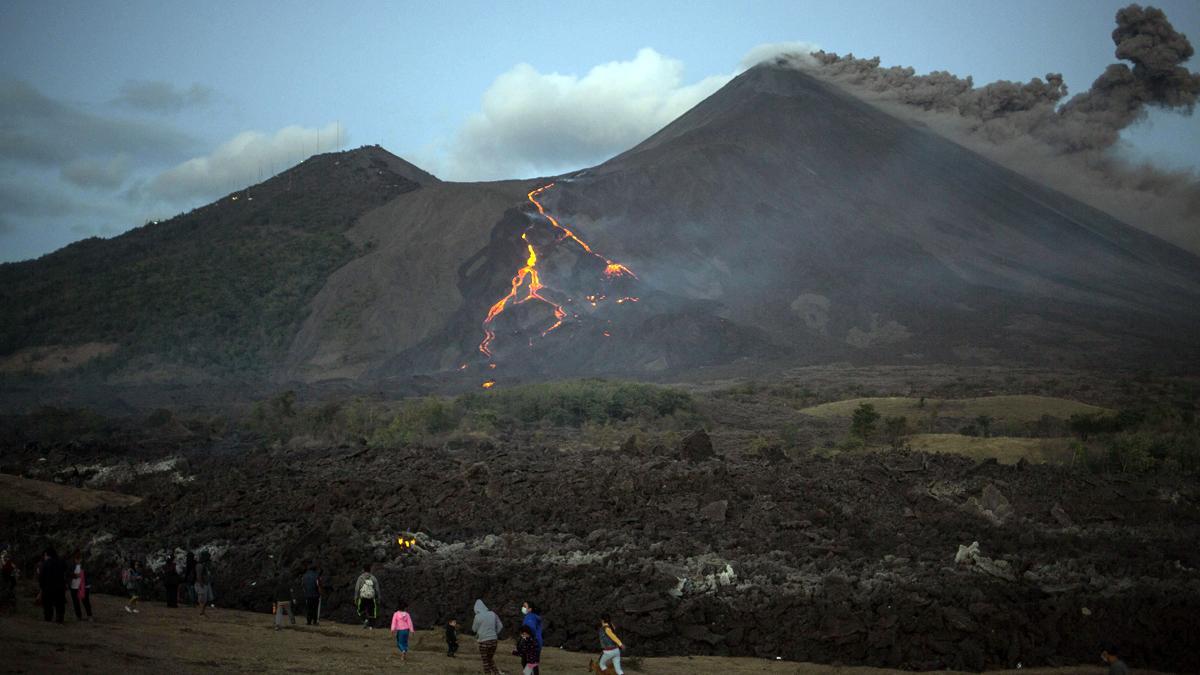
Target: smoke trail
<point>1024,126</point>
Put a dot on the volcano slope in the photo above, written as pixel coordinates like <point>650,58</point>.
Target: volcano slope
<point>783,218</point>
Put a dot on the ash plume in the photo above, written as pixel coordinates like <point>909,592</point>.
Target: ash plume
<point>1029,127</point>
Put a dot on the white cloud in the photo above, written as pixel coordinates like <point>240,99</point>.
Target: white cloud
<point>89,172</point>
<point>162,97</point>
<point>242,160</point>
<point>771,50</point>
<point>532,122</point>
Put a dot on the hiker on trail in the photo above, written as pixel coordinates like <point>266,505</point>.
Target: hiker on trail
<point>311,585</point>
<point>203,583</point>
<point>402,627</point>
<point>367,596</point>
<point>527,649</point>
<point>282,598</point>
<point>131,578</point>
<point>81,587</point>
<point>52,581</point>
<point>189,579</point>
<point>451,637</point>
<point>487,629</point>
<point>8,580</point>
<point>171,581</point>
<point>1115,665</point>
<point>533,619</point>
<point>610,646</point>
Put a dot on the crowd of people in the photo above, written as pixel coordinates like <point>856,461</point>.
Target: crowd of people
<point>59,579</point>
<point>193,586</point>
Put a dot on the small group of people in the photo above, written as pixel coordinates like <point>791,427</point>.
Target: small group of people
<point>193,587</point>
<point>56,580</point>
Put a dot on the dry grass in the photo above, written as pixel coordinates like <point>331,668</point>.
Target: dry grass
<point>1005,449</point>
<point>54,358</point>
<point>1017,409</point>
<point>23,495</point>
<point>162,640</point>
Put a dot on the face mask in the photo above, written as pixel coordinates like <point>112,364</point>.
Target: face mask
<point>524,610</point>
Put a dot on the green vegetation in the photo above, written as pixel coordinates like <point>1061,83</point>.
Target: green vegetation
<point>589,406</point>
<point>862,422</point>
<point>1006,409</point>
<point>222,289</point>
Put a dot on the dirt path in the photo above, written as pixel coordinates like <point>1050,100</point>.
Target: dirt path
<point>159,640</point>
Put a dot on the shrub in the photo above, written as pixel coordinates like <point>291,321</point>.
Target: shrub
<point>862,423</point>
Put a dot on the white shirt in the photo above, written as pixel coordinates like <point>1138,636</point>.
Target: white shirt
<point>75,577</point>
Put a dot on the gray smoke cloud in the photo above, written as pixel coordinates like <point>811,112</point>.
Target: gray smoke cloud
<point>1029,127</point>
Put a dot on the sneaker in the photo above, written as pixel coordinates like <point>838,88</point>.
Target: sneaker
<point>136,611</point>
<point>127,609</point>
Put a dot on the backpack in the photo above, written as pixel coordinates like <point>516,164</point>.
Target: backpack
<point>368,589</point>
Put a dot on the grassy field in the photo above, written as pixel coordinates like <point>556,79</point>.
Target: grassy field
<point>162,640</point>
<point>23,495</point>
<point>1018,409</point>
<point>1005,449</point>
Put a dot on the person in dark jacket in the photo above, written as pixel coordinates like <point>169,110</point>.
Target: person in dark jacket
<point>81,587</point>
<point>451,637</point>
<point>311,584</point>
<point>171,581</point>
<point>533,619</point>
<point>52,580</point>
<point>527,649</point>
<point>282,603</point>
<point>189,578</point>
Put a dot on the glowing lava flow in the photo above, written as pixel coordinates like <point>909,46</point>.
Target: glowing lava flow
<point>528,278</point>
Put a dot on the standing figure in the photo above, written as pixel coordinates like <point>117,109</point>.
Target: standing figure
<point>282,603</point>
<point>52,581</point>
<point>451,637</point>
<point>367,596</point>
<point>487,629</point>
<point>533,619</point>
<point>610,646</point>
<point>311,584</point>
<point>189,579</point>
<point>171,581</point>
<point>81,588</point>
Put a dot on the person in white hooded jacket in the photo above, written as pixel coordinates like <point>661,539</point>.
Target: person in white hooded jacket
<point>487,629</point>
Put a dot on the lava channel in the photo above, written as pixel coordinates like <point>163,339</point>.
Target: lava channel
<point>528,279</point>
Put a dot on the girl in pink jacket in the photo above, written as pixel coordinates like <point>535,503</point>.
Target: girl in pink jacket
<point>402,626</point>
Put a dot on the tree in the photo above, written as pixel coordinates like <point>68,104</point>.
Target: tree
<point>984,424</point>
<point>862,423</point>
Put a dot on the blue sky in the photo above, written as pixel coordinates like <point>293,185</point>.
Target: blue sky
<point>112,114</point>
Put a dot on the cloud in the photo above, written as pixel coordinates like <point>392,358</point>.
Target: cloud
<point>37,129</point>
<point>240,161</point>
<point>771,51</point>
<point>98,174</point>
<point>162,97</point>
<point>537,123</point>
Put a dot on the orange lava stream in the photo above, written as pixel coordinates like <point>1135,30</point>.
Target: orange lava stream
<point>527,277</point>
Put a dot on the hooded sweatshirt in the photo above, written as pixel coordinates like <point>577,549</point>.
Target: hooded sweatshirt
<point>487,625</point>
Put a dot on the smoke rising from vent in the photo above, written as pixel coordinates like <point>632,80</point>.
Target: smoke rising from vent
<point>1029,127</point>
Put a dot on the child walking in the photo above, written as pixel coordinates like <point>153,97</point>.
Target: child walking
<point>527,649</point>
<point>402,626</point>
<point>451,637</point>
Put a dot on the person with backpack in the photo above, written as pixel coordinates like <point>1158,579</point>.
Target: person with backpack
<point>487,627</point>
<point>131,578</point>
<point>311,584</point>
<point>81,588</point>
<point>367,596</point>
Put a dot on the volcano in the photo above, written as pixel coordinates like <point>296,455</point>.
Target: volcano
<point>781,220</point>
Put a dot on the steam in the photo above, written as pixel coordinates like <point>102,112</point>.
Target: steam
<point>1030,128</point>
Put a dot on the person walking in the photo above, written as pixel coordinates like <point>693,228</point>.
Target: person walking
<point>451,637</point>
<point>527,649</point>
<point>610,646</point>
<point>131,578</point>
<point>311,585</point>
<point>487,627</point>
<point>189,579</point>
<point>81,588</point>
<point>8,580</point>
<point>171,581</point>
<point>52,582</point>
<point>209,574</point>
<point>402,627</point>
<point>282,603</point>
<point>533,619</point>
<point>1115,665</point>
<point>367,597</point>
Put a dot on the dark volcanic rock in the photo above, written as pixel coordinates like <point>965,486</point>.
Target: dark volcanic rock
<point>696,447</point>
